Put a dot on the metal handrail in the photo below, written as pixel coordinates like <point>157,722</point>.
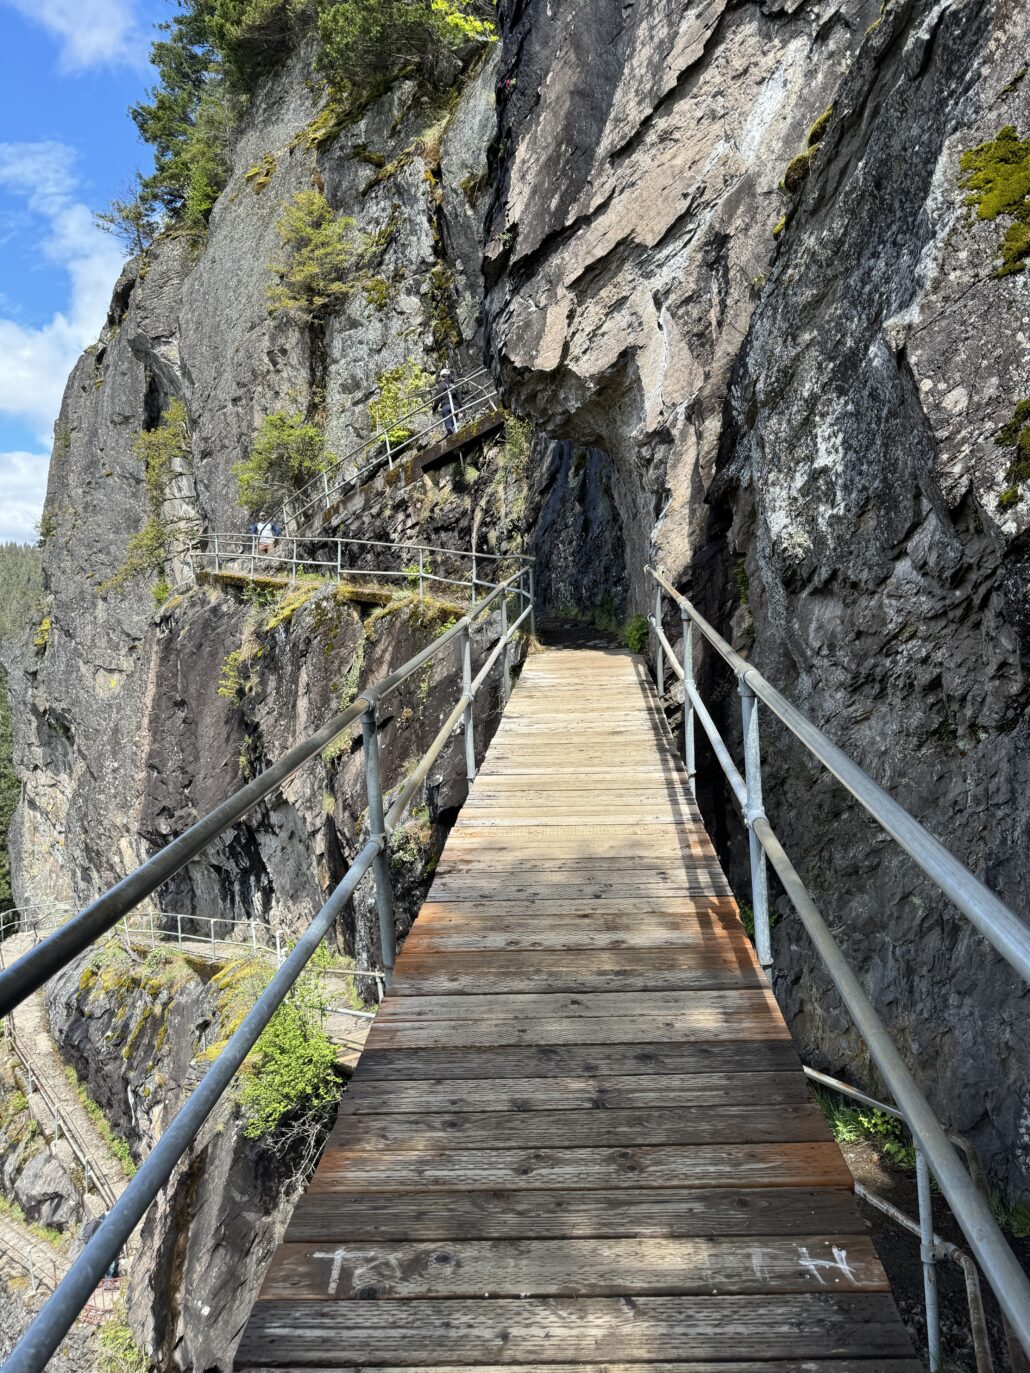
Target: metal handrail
<point>54,1321</point>
<point>1004,929</point>
<point>224,552</point>
<point>318,489</point>
<point>931,1246</point>
<point>92,1169</point>
<point>40,963</point>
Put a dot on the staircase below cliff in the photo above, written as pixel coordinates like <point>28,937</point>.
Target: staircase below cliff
<point>579,1133</point>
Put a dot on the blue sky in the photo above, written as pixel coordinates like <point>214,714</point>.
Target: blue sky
<point>71,68</point>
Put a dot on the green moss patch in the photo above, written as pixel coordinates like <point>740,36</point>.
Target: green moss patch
<point>1015,435</point>
<point>996,175</point>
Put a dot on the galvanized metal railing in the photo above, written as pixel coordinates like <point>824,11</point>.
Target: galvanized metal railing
<point>468,398</point>
<point>30,972</point>
<point>931,1246</point>
<point>93,1175</point>
<point>298,557</point>
<point>1002,927</point>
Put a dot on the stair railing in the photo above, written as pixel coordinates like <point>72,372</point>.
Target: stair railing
<point>53,1322</point>
<point>1000,925</point>
<point>478,397</point>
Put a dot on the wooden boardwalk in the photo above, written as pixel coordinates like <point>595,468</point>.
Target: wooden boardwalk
<point>579,1135</point>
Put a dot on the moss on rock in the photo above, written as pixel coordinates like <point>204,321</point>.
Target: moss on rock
<point>996,175</point>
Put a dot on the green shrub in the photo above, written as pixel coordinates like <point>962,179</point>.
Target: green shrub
<point>117,1351</point>
<point>399,390</point>
<point>160,449</point>
<point>635,633</point>
<point>325,255</point>
<point>145,553</point>
<point>286,453</point>
<point>366,43</point>
<point>293,1064</point>
<point>849,1124</point>
<point>517,445</point>
<point>230,681</point>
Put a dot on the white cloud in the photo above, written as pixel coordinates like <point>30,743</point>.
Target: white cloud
<point>91,33</point>
<point>22,486</point>
<point>37,360</point>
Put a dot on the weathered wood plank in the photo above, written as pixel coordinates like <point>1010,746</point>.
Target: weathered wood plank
<point>547,1094</point>
<point>431,975</point>
<point>645,1029</point>
<point>540,1129</point>
<point>751,1366</point>
<point>740,1005</point>
<point>575,1268</point>
<point>556,1214</point>
<point>739,1165</point>
<point>510,1331</point>
<point>372,1097</point>
<point>577,1060</point>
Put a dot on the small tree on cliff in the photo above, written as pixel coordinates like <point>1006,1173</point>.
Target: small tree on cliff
<point>286,453</point>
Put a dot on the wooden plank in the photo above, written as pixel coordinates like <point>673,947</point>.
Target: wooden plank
<point>646,1029</point>
<point>738,1165</point>
<point>573,935</point>
<point>380,1064</point>
<point>371,1097</point>
<point>736,1366</point>
<point>556,1214</point>
<point>542,1129</point>
<point>511,1331</point>
<point>586,904</point>
<point>574,1267</point>
<point>432,978</point>
<point>473,972</point>
<point>740,1005</point>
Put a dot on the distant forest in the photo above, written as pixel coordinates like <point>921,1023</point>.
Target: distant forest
<point>21,590</point>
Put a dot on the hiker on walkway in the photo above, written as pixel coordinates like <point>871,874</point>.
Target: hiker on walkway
<point>86,1234</point>
<point>447,399</point>
<point>266,531</point>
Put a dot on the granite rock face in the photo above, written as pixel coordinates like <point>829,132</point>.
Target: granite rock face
<point>138,710</point>
<point>799,396</point>
<point>99,740</point>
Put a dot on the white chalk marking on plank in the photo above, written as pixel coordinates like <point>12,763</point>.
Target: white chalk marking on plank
<point>337,1257</point>
<point>839,1262</point>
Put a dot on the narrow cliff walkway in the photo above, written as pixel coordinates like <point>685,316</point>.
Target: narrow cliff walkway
<point>580,949</point>
<point>35,1048</point>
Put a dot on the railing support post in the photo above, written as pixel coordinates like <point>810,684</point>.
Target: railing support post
<point>505,667</point>
<point>532,609</point>
<point>466,689</point>
<point>421,573</point>
<point>217,568</point>
<point>687,627</point>
<point>659,661</point>
<point>927,1255</point>
<point>755,811</point>
<point>377,831</point>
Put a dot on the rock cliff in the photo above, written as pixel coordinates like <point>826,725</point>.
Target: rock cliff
<point>756,284</point>
<point>145,699</point>
<point>730,269</point>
